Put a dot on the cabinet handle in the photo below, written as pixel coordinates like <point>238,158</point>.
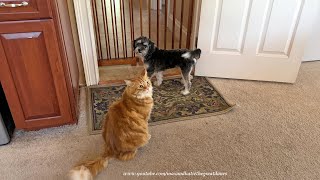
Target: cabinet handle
<point>24,3</point>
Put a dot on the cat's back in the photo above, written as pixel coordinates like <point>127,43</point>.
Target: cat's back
<point>125,110</point>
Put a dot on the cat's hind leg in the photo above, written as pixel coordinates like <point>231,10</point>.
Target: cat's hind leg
<point>127,155</point>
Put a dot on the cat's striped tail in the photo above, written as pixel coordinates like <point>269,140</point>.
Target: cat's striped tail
<point>89,169</point>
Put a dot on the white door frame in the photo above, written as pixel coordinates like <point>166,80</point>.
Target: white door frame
<point>83,13</point>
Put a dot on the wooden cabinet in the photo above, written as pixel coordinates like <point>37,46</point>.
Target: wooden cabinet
<point>36,73</point>
<point>29,9</point>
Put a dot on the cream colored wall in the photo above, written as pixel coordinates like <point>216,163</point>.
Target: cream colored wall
<point>82,80</point>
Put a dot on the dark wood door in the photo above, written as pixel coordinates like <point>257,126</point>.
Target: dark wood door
<point>24,9</point>
<point>32,74</point>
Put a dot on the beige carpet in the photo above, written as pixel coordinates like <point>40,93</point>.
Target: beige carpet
<point>274,133</point>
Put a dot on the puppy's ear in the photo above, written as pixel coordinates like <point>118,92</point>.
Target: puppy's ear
<point>152,46</point>
<point>134,44</point>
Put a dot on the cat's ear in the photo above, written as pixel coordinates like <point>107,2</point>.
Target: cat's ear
<point>128,82</point>
<point>144,73</point>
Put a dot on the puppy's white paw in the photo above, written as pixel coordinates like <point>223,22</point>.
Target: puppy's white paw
<point>185,92</point>
<point>149,136</point>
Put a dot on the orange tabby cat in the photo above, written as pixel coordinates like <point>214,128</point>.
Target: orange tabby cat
<point>125,128</point>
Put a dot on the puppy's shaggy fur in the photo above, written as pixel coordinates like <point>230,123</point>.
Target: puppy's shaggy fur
<point>157,60</point>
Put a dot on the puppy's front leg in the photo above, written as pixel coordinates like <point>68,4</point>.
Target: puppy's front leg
<point>186,81</point>
<point>159,76</point>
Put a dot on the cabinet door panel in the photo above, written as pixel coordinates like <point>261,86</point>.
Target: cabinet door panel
<point>30,51</point>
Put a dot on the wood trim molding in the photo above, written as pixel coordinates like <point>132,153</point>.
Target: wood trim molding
<point>85,26</point>
<point>66,44</point>
<point>110,62</point>
<point>196,21</point>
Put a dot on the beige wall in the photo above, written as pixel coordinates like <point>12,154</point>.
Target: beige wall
<point>82,80</point>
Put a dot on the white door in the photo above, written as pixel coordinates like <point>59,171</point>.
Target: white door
<point>254,39</point>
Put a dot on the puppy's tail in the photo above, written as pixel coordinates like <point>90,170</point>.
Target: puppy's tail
<point>192,55</point>
<point>89,169</point>
<point>195,54</point>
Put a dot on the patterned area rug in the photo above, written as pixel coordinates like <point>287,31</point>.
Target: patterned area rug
<point>169,104</point>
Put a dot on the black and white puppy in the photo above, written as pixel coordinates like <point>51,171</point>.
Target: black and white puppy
<point>157,60</point>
